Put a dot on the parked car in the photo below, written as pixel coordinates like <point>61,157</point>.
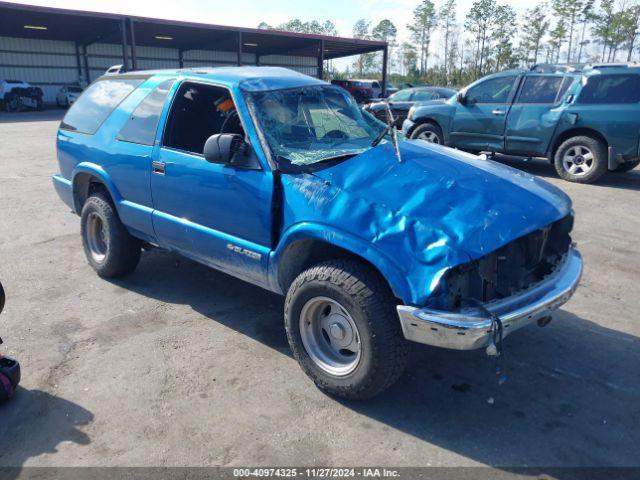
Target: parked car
<point>391,89</point>
<point>362,90</point>
<point>403,100</point>
<point>67,95</point>
<point>586,122</point>
<point>17,96</point>
<point>280,179</point>
<point>6,86</point>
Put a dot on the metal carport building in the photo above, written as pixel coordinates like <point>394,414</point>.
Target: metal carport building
<point>51,47</point>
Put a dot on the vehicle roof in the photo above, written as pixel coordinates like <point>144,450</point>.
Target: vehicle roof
<point>251,79</point>
<point>430,88</point>
<point>585,70</point>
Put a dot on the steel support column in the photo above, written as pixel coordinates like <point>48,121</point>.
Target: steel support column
<point>385,61</point>
<point>321,60</point>
<point>239,48</point>
<point>134,55</point>
<point>125,53</point>
<point>181,58</point>
<point>78,63</point>
<point>85,58</point>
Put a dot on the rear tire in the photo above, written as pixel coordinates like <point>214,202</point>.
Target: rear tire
<point>627,166</point>
<point>343,329</point>
<point>429,132</point>
<point>110,249</point>
<point>581,159</point>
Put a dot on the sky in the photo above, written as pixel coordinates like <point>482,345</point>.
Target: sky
<point>249,13</point>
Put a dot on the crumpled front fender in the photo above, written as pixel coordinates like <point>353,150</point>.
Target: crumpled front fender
<point>344,240</point>
<point>416,218</point>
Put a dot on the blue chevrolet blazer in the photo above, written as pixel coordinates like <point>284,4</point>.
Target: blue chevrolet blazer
<point>281,180</point>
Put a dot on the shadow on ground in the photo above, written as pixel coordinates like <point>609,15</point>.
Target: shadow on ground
<point>34,423</point>
<point>571,399</point>
<point>542,168</point>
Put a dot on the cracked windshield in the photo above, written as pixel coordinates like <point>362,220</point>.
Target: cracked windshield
<point>304,126</point>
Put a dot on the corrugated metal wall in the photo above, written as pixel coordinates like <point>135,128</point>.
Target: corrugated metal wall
<point>50,64</point>
<point>46,64</point>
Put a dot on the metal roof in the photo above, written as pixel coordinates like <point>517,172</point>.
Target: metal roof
<point>86,27</point>
<point>250,79</point>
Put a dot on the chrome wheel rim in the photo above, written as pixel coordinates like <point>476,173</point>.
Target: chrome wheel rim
<point>578,160</point>
<point>430,137</point>
<point>330,336</point>
<point>96,238</point>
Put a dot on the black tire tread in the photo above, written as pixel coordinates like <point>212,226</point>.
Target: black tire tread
<point>600,151</point>
<point>124,250</point>
<point>372,294</point>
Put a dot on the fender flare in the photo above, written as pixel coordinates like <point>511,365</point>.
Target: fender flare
<point>94,170</point>
<point>389,269</point>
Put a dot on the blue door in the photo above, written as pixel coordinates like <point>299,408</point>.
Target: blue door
<point>479,122</point>
<point>535,113</point>
<point>216,214</point>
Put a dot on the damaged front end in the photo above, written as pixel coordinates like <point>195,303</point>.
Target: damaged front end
<point>520,283</point>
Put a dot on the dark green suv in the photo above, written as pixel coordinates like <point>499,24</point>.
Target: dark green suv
<point>585,120</point>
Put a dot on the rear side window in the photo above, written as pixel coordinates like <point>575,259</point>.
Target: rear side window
<point>141,126</point>
<point>541,89</point>
<point>401,96</point>
<point>424,95</point>
<point>96,104</point>
<point>611,89</point>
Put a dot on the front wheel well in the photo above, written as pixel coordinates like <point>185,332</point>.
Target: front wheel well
<point>84,185</point>
<point>575,132</point>
<point>423,120</point>
<point>303,254</point>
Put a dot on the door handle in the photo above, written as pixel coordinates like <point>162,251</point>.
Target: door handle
<point>158,168</point>
<point>497,111</point>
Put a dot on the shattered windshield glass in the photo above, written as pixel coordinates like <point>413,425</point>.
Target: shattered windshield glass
<point>308,125</point>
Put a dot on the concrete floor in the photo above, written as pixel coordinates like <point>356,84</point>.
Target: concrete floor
<point>181,365</point>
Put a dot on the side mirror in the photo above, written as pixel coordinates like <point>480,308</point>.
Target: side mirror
<point>462,97</point>
<point>223,148</point>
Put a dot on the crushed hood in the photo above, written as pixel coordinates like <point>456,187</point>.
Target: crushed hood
<point>436,209</point>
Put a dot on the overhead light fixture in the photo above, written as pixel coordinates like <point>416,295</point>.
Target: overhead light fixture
<point>161,37</point>
<point>250,44</point>
<point>35,27</point>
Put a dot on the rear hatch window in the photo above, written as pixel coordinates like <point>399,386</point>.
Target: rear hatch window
<point>96,104</point>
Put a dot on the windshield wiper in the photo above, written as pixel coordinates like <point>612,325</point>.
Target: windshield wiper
<point>390,129</point>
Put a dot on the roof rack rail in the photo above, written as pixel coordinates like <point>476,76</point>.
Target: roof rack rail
<point>592,66</point>
<point>556,67</point>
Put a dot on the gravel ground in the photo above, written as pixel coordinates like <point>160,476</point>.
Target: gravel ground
<point>179,365</point>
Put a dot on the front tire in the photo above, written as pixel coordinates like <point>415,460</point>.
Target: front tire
<point>110,249</point>
<point>343,329</point>
<point>581,159</point>
<point>428,132</point>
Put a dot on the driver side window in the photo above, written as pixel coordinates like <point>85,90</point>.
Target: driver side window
<point>401,96</point>
<point>494,90</point>
<point>199,111</point>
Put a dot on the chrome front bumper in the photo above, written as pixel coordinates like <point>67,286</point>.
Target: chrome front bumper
<point>470,329</point>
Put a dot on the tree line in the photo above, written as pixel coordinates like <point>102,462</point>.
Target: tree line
<point>491,38</point>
